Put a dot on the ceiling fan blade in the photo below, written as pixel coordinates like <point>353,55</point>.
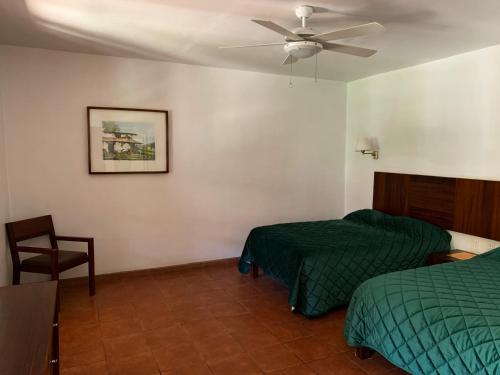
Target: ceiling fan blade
<point>278,29</point>
<point>289,59</point>
<point>253,45</point>
<point>350,50</point>
<point>318,9</point>
<point>351,32</point>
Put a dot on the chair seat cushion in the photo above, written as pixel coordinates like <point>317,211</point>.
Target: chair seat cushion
<point>67,259</point>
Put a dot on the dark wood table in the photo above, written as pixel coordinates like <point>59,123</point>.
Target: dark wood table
<point>28,329</point>
<point>449,256</point>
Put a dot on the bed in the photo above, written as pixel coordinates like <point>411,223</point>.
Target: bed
<point>442,319</point>
<point>323,262</point>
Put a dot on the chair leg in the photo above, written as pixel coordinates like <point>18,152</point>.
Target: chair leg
<point>16,277</point>
<point>91,277</point>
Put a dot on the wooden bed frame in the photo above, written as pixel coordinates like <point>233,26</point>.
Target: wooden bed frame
<point>457,204</point>
<point>462,205</point>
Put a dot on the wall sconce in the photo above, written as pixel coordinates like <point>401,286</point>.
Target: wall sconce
<point>368,146</point>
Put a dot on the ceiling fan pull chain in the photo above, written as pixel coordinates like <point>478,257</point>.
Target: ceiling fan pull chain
<point>290,82</point>
<point>316,70</point>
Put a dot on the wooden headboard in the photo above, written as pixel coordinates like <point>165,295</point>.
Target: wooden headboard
<point>458,204</point>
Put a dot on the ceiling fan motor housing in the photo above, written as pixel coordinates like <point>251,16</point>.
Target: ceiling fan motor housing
<point>303,32</point>
<point>303,50</point>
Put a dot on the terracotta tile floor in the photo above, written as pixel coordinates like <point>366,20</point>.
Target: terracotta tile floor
<point>203,321</point>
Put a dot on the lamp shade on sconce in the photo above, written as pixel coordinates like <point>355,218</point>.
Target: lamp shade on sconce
<point>365,144</point>
<point>368,146</point>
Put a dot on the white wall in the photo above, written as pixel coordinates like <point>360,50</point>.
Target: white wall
<point>441,118</point>
<point>246,150</point>
<point>5,262</point>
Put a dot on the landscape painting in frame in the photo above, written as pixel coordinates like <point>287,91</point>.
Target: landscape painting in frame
<point>123,140</point>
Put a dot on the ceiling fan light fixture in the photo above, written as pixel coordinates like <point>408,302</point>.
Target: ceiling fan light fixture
<point>303,50</point>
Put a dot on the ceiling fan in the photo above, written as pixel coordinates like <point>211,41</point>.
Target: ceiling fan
<point>303,42</point>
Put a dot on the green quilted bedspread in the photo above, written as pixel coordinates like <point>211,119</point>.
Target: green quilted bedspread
<point>323,262</point>
<point>443,319</point>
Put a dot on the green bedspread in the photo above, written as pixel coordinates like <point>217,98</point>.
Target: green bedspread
<point>443,319</point>
<point>323,262</point>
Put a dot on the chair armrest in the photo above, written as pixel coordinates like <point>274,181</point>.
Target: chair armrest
<point>74,239</point>
<point>88,240</point>
<point>37,250</point>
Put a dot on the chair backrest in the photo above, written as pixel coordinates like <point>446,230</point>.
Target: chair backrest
<point>27,229</point>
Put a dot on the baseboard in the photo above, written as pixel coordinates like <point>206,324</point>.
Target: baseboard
<point>151,271</point>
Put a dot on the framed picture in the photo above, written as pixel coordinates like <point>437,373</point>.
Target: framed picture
<point>127,140</point>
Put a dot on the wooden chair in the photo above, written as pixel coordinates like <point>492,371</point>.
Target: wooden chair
<point>50,261</point>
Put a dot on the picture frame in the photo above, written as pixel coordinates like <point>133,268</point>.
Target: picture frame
<point>127,140</point>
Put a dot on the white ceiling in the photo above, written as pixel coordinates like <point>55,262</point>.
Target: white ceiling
<point>189,31</point>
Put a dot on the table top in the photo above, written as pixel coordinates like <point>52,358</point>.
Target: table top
<point>26,317</point>
<point>460,255</point>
